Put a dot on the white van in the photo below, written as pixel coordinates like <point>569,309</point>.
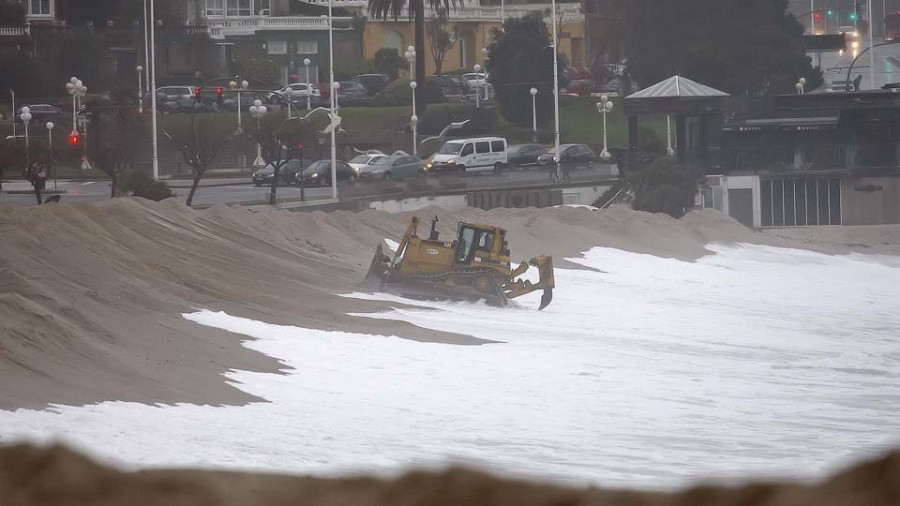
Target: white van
<point>470,155</point>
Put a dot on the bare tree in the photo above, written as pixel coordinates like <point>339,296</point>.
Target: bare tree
<point>278,146</point>
<point>440,40</point>
<point>117,131</point>
<point>200,147</point>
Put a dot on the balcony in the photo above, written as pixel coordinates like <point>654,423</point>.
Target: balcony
<point>219,28</point>
<point>15,31</point>
<point>565,12</point>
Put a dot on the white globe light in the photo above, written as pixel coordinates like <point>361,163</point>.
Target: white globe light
<point>803,81</point>
<point>253,110</point>
<point>140,68</point>
<point>477,68</point>
<point>244,85</point>
<point>262,110</point>
<point>232,85</point>
<point>78,83</point>
<point>411,49</point>
<point>306,62</point>
<point>798,86</point>
<point>335,85</point>
<point>413,84</point>
<point>533,91</point>
<point>84,90</point>
<point>70,88</point>
<point>73,80</point>
<point>414,118</point>
<point>50,125</point>
<point>257,102</point>
<point>25,117</point>
<point>609,106</point>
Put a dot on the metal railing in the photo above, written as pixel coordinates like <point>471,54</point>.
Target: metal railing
<point>222,27</point>
<point>15,31</point>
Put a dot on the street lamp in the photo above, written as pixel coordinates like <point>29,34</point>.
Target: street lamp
<point>533,92</point>
<point>484,52</point>
<point>801,86</point>
<point>477,69</point>
<point>25,116</point>
<point>604,106</point>
<point>414,119</point>
<point>335,119</point>
<point>410,56</point>
<point>50,126</point>
<point>335,89</point>
<point>233,86</point>
<point>306,63</point>
<point>258,111</point>
<point>140,70</point>
<point>77,89</point>
<point>555,89</point>
<point>669,150</point>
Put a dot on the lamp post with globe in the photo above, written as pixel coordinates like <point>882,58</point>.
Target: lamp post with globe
<point>233,86</point>
<point>604,106</point>
<point>414,120</point>
<point>140,70</point>
<point>410,56</point>
<point>77,89</point>
<point>50,126</point>
<point>533,92</point>
<point>25,116</point>
<point>306,63</point>
<point>258,111</point>
<point>477,69</point>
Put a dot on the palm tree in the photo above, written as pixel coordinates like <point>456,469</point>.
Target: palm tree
<point>394,8</point>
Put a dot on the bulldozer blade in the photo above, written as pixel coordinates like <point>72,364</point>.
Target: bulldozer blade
<point>546,298</point>
<point>378,269</point>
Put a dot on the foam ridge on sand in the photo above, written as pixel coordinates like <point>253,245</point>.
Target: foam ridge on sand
<point>90,295</point>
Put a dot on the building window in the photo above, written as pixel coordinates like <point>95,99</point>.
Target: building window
<point>307,47</point>
<point>239,8</point>
<point>800,202</point>
<point>39,7</point>
<point>215,7</point>
<point>263,8</point>
<point>394,40</point>
<point>277,47</point>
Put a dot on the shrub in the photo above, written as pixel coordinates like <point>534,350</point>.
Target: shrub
<point>399,93</point>
<point>140,183</point>
<point>665,186</point>
<point>348,69</point>
<point>387,61</point>
<point>650,142</point>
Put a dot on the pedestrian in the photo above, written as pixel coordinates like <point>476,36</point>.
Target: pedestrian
<point>856,82</point>
<point>565,172</point>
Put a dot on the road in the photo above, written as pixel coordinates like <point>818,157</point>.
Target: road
<point>241,190</point>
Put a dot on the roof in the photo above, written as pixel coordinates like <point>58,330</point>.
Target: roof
<point>677,86</point>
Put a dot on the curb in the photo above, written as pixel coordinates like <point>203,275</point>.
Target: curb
<point>188,187</point>
<point>31,192</point>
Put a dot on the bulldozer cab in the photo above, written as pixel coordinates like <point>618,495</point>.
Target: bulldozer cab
<point>478,244</point>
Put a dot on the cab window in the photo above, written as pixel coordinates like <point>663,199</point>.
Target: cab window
<point>485,241</point>
<point>482,147</point>
<point>467,150</point>
<point>466,246</point>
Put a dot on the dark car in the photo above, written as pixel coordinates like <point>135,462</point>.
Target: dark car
<point>452,87</point>
<point>573,155</point>
<point>319,173</point>
<point>524,154</point>
<point>352,93</point>
<point>393,167</point>
<point>286,176</point>
<point>373,82</point>
<point>581,87</point>
<point>41,113</point>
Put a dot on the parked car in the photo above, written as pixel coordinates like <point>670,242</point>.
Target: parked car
<point>581,87</point>
<point>485,153</point>
<point>524,154</point>
<point>286,176</point>
<point>319,173</point>
<point>473,79</point>
<point>296,93</point>
<point>175,98</point>
<point>362,160</point>
<point>373,82</point>
<point>393,167</point>
<point>452,87</point>
<point>573,155</point>
<point>614,85</point>
<point>352,93</point>
<point>41,113</point>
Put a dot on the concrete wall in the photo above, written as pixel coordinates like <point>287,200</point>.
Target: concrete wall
<point>488,200</point>
<point>870,201</point>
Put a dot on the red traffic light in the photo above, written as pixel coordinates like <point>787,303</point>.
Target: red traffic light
<point>74,139</point>
<point>219,91</point>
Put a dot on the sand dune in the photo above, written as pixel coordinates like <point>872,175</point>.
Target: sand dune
<point>91,296</point>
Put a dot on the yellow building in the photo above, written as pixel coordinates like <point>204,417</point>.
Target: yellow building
<point>471,32</point>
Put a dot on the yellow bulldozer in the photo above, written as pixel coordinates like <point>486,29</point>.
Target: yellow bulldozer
<point>474,266</point>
